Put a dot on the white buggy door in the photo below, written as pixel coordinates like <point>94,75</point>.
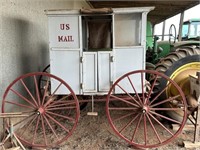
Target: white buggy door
<point>97,71</point>
<point>89,72</point>
<point>105,71</point>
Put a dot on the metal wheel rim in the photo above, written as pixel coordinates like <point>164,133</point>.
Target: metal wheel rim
<point>180,76</point>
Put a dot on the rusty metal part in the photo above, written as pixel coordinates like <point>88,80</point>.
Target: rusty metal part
<point>192,101</point>
<point>195,87</point>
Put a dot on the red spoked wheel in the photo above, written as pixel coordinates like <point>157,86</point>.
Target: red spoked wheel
<point>138,115</point>
<point>51,118</point>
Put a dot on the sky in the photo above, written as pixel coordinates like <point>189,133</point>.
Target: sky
<point>193,12</point>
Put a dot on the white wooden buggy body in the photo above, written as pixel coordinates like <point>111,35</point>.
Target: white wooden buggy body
<point>87,66</point>
<point>101,55</point>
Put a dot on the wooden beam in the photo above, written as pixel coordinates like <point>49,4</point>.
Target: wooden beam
<point>189,144</point>
<point>163,9</point>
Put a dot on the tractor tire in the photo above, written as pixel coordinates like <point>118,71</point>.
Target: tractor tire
<point>178,65</point>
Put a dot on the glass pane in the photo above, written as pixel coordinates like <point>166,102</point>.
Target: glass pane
<point>195,29</point>
<point>185,30</point>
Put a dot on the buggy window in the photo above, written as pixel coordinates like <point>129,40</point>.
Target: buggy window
<point>127,29</point>
<point>97,33</point>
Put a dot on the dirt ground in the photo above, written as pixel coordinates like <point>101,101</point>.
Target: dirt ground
<point>95,133</point>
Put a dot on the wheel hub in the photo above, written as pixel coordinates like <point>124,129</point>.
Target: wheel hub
<point>41,111</point>
<point>145,109</point>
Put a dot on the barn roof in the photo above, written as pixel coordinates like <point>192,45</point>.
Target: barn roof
<point>163,9</point>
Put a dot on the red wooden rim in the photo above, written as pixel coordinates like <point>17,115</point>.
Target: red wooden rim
<point>45,115</point>
<point>142,111</point>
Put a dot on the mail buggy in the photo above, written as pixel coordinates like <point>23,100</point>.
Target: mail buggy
<point>95,55</point>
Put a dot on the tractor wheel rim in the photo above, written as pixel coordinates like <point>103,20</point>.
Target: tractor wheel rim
<point>180,76</point>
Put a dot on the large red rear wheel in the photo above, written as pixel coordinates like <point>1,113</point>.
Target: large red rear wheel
<point>51,118</point>
<point>138,115</point>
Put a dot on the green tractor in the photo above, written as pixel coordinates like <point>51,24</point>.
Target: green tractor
<point>177,60</point>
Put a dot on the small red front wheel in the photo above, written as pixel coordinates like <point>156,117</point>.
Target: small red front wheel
<point>137,113</point>
<point>51,118</point>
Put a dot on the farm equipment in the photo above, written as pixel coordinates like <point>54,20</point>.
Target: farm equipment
<point>96,52</point>
<point>177,60</point>
<point>157,50</point>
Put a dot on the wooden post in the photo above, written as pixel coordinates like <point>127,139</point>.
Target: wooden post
<point>11,135</point>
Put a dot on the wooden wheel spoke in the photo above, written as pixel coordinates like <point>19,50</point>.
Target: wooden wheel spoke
<point>36,128</point>
<point>136,128</point>
<point>29,125</point>
<point>62,103</point>
<point>58,123</point>
<point>129,95</point>
<point>122,108</point>
<point>46,90</point>
<point>161,92</point>
<point>123,100</point>
<point>51,127</point>
<point>145,129</point>
<point>51,99</point>
<point>152,87</point>
<point>161,124</point>
<point>154,129</point>
<point>22,97</point>
<point>62,116</point>
<point>64,98</point>
<point>122,117</point>
<point>26,118</point>
<point>165,101</point>
<point>129,123</point>
<point>18,104</point>
<point>37,90</point>
<point>142,85</point>
<point>167,109</point>
<point>61,108</point>
<point>44,130</point>
<point>60,100</point>
<point>28,92</point>
<point>170,119</point>
<point>140,101</point>
<point>56,90</point>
